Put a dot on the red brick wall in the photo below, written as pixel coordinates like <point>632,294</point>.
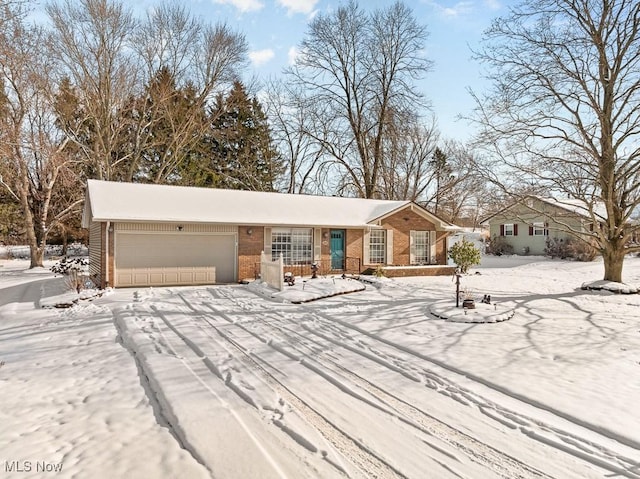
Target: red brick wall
<point>402,223</point>
<point>353,250</point>
<point>249,248</point>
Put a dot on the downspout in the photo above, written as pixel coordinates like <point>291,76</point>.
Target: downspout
<point>106,255</point>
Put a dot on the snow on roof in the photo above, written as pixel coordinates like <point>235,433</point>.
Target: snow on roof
<point>573,206</point>
<point>578,207</point>
<point>111,201</point>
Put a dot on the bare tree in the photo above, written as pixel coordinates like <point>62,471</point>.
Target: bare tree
<point>407,170</point>
<point>302,155</point>
<point>33,154</point>
<point>563,112</point>
<point>91,41</point>
<point>356,68</point>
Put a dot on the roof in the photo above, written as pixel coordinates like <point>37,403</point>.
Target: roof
<point>113,201</point>
<point>572,206</point>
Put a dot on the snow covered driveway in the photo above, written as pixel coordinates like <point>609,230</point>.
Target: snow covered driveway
<point>71,402</point>
<point>367,385</point>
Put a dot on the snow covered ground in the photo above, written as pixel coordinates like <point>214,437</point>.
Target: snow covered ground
<point>228,382</point>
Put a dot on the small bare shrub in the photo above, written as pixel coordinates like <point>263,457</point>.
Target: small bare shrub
<point>570,249</point>
<point>77,281</point>
<point>582,250</point>
<point>498,246</point>
<point>556,248</point>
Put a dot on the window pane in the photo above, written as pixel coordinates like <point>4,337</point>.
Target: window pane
<point>377,246</point>
<point>508,230</point>
<point>295,244</point>
<point>421,247</point>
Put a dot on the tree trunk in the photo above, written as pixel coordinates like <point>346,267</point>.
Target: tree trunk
<point>65,240</point>
<point>613,256</point>
<point>37,256</point>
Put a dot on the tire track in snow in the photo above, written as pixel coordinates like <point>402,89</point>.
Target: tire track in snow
<point>201,356</point>
<point>365,460</point>
<point>497,461</point>
<point>564,441</point>
<point>577,446</point>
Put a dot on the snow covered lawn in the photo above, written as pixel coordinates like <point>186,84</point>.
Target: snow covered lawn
<point>224,382</point>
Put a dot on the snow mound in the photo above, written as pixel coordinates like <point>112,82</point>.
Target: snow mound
<point>306,290</point>
<point>619,288</point>
<point>482,313</point>
<point>68,299</point>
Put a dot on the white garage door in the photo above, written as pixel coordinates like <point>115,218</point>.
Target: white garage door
<point>174,259</point>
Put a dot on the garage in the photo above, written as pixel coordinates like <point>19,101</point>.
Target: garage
<point>153,258</point>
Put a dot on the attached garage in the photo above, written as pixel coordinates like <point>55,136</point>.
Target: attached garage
<point>167,254</point>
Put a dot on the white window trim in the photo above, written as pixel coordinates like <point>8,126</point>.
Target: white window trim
<point>291,232</point>
<point>509,229</point>
<point>539,229</point>
<point>416,258</point>
<point>372,235</point>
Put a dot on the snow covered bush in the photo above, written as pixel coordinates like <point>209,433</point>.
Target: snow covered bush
<point>464,254</point>
<point>65,265</point>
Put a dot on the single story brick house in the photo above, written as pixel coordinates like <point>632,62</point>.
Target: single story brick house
<point>156,235</point>
<point>527,224</point>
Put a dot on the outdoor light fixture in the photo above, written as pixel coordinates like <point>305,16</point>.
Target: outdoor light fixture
<point>179,227</point>
<point>249,231</point>
<point>325,235</point>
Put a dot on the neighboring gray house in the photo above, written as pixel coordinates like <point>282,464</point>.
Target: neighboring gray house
<point>528,224</point>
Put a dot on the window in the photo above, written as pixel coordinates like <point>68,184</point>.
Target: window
<point>295,244</point>
<point>377,246</point>
<point>508,229</point>
<point>539,229</point>
<point>421,247</point>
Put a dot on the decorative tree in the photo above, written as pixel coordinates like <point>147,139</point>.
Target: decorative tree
<point>464,254</point>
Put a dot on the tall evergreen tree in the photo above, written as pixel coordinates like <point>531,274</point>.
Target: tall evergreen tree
<point>240,145</point>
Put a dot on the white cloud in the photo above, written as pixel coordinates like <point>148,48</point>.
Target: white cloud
<point>460,8</point>
<point>493,4</point>
<point>457,10</point>
<point>292,54</point>
<point>243,5</point>
<point>298,6</point>
<point>260,57</point>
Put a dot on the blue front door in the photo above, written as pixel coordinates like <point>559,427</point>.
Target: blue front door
<point>337,249</point>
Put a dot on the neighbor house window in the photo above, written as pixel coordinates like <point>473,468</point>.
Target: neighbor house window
<point>508,229</point>
<point>295,245</point>
<point>421,247</point>
<point>377,246</point>
<point>539,229</point>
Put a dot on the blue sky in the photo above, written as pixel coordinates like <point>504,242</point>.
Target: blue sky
<point>274,28</point>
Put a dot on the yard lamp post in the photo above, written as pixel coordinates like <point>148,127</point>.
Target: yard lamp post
<point>458,288</point>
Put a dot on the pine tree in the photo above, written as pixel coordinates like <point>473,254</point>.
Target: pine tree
<point>242,153</point>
